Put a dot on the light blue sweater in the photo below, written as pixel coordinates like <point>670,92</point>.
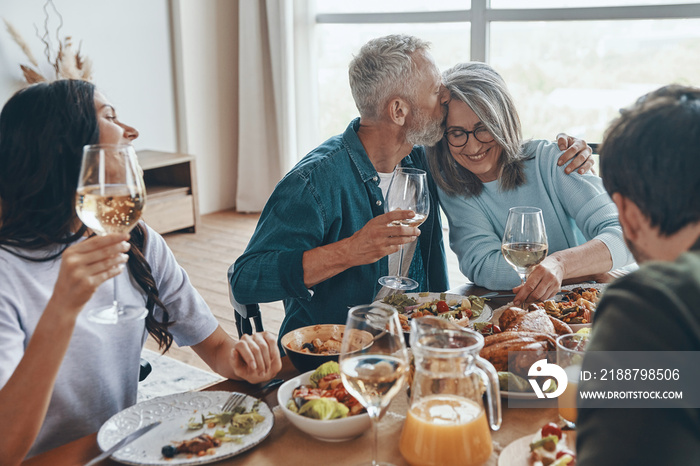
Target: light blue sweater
<point>576,208</point>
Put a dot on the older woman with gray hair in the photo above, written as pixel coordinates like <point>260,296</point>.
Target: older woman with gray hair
<point>483,167</point>
<point>323,238</point>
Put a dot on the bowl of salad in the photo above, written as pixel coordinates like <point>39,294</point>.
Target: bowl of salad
<point>317,403</point>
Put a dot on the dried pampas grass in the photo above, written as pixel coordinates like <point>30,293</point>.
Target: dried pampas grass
<point>67,63</point>
<point>19,40</point>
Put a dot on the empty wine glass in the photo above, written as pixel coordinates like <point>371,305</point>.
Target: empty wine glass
<point>524,242</point>
<point>408,190</point>
<point>373,373</point>
<point>110,198</point>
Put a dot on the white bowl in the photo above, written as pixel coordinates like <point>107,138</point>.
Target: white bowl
<point>576,327</point>
<point>334,430</point>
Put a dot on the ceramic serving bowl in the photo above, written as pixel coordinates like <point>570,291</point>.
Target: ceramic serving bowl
<point>294,341</point>
<point>334,430</point>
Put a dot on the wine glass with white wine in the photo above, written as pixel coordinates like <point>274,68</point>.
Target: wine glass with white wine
<point>524,242</point>
<point>110,198</point>
<point>375,373</point>
<point>408,190</point>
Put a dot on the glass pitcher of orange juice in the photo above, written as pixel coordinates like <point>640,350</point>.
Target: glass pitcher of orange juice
<point>446,422</point>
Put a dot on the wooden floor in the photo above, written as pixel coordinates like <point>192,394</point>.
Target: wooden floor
<point>206,256</point>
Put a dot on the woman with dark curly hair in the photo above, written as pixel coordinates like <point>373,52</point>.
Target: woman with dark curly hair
<point>62,376</point>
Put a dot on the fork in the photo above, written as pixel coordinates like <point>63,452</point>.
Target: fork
<point>233,402</point>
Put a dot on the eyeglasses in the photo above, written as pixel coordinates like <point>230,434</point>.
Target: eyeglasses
<point>460,137</point>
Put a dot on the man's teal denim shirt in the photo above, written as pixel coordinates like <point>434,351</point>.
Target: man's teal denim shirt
<point>328,196</point>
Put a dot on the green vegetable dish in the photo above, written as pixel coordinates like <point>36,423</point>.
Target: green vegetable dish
<point>325,397</point>
<point>237,422</point>
<point>468,307</point>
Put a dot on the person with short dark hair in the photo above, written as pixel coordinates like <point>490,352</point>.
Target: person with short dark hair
<point>650,162</point>
<point>62,376</point>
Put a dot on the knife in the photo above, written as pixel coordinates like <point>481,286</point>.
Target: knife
<point>512,295</point>
<point>123,442</point>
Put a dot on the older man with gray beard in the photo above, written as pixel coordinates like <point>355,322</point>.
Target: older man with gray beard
<point>323,237</point>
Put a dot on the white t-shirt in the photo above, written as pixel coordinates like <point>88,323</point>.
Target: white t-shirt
<point>99,374</point>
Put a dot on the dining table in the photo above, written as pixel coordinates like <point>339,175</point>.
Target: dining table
<point>289,446</point>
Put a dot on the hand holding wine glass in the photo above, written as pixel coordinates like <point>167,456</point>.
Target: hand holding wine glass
<point>373,374</point>
<point>408,190</point>
<point>110,199</point>
<point>524,243</point>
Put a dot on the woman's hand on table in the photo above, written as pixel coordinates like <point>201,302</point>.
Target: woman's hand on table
<point>256,358</point>
<point>543,282</point>
<point>253,358</point>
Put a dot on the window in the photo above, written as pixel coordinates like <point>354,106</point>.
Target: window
<point>570,64</point>
<point>338,42</point>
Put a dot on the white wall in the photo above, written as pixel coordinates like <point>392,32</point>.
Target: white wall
<point>129,44</point>
<point>209,34</point>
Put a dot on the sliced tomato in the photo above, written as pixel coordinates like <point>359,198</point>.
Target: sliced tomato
<point>442,307</point>
<point>551,429</point>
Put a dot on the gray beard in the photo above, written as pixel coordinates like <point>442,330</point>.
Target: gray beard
<point>424,131</point>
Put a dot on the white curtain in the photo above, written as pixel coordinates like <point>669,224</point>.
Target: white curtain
<point>268,144</point>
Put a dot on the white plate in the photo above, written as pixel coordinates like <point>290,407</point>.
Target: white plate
<point>174,411</point>
<point>517,453</point>
<point>485,316</point>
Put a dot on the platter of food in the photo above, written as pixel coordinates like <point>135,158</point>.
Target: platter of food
<point>516,338</point>
<point>550,446</point>
<point>193,429</point>
<point>574,307</point>
<point>463,310</point>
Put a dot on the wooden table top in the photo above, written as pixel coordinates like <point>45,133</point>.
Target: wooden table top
<point>517,422</point>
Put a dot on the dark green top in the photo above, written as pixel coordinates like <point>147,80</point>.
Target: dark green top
<point>656,308</point>
<point>330,194</point>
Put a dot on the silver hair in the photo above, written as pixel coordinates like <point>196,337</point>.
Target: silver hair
<point>385,68</point>
<point>485,92</point>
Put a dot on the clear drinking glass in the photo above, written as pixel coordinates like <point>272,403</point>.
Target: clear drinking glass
<point>110,198</point>
<point>570,351</point>
<point>374,374</point>
<point>524,242</point>
<point>408,190</point>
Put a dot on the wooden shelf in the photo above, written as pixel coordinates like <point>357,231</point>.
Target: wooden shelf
<point>171,191</point>
<point>163,191</point>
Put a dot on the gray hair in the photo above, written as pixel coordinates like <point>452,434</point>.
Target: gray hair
<point>384,68</point>
<point>485,92</point>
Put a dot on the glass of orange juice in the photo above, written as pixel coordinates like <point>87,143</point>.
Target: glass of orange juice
<point>447,421</point>
<point>446,429</point>
<point>570,350</point>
